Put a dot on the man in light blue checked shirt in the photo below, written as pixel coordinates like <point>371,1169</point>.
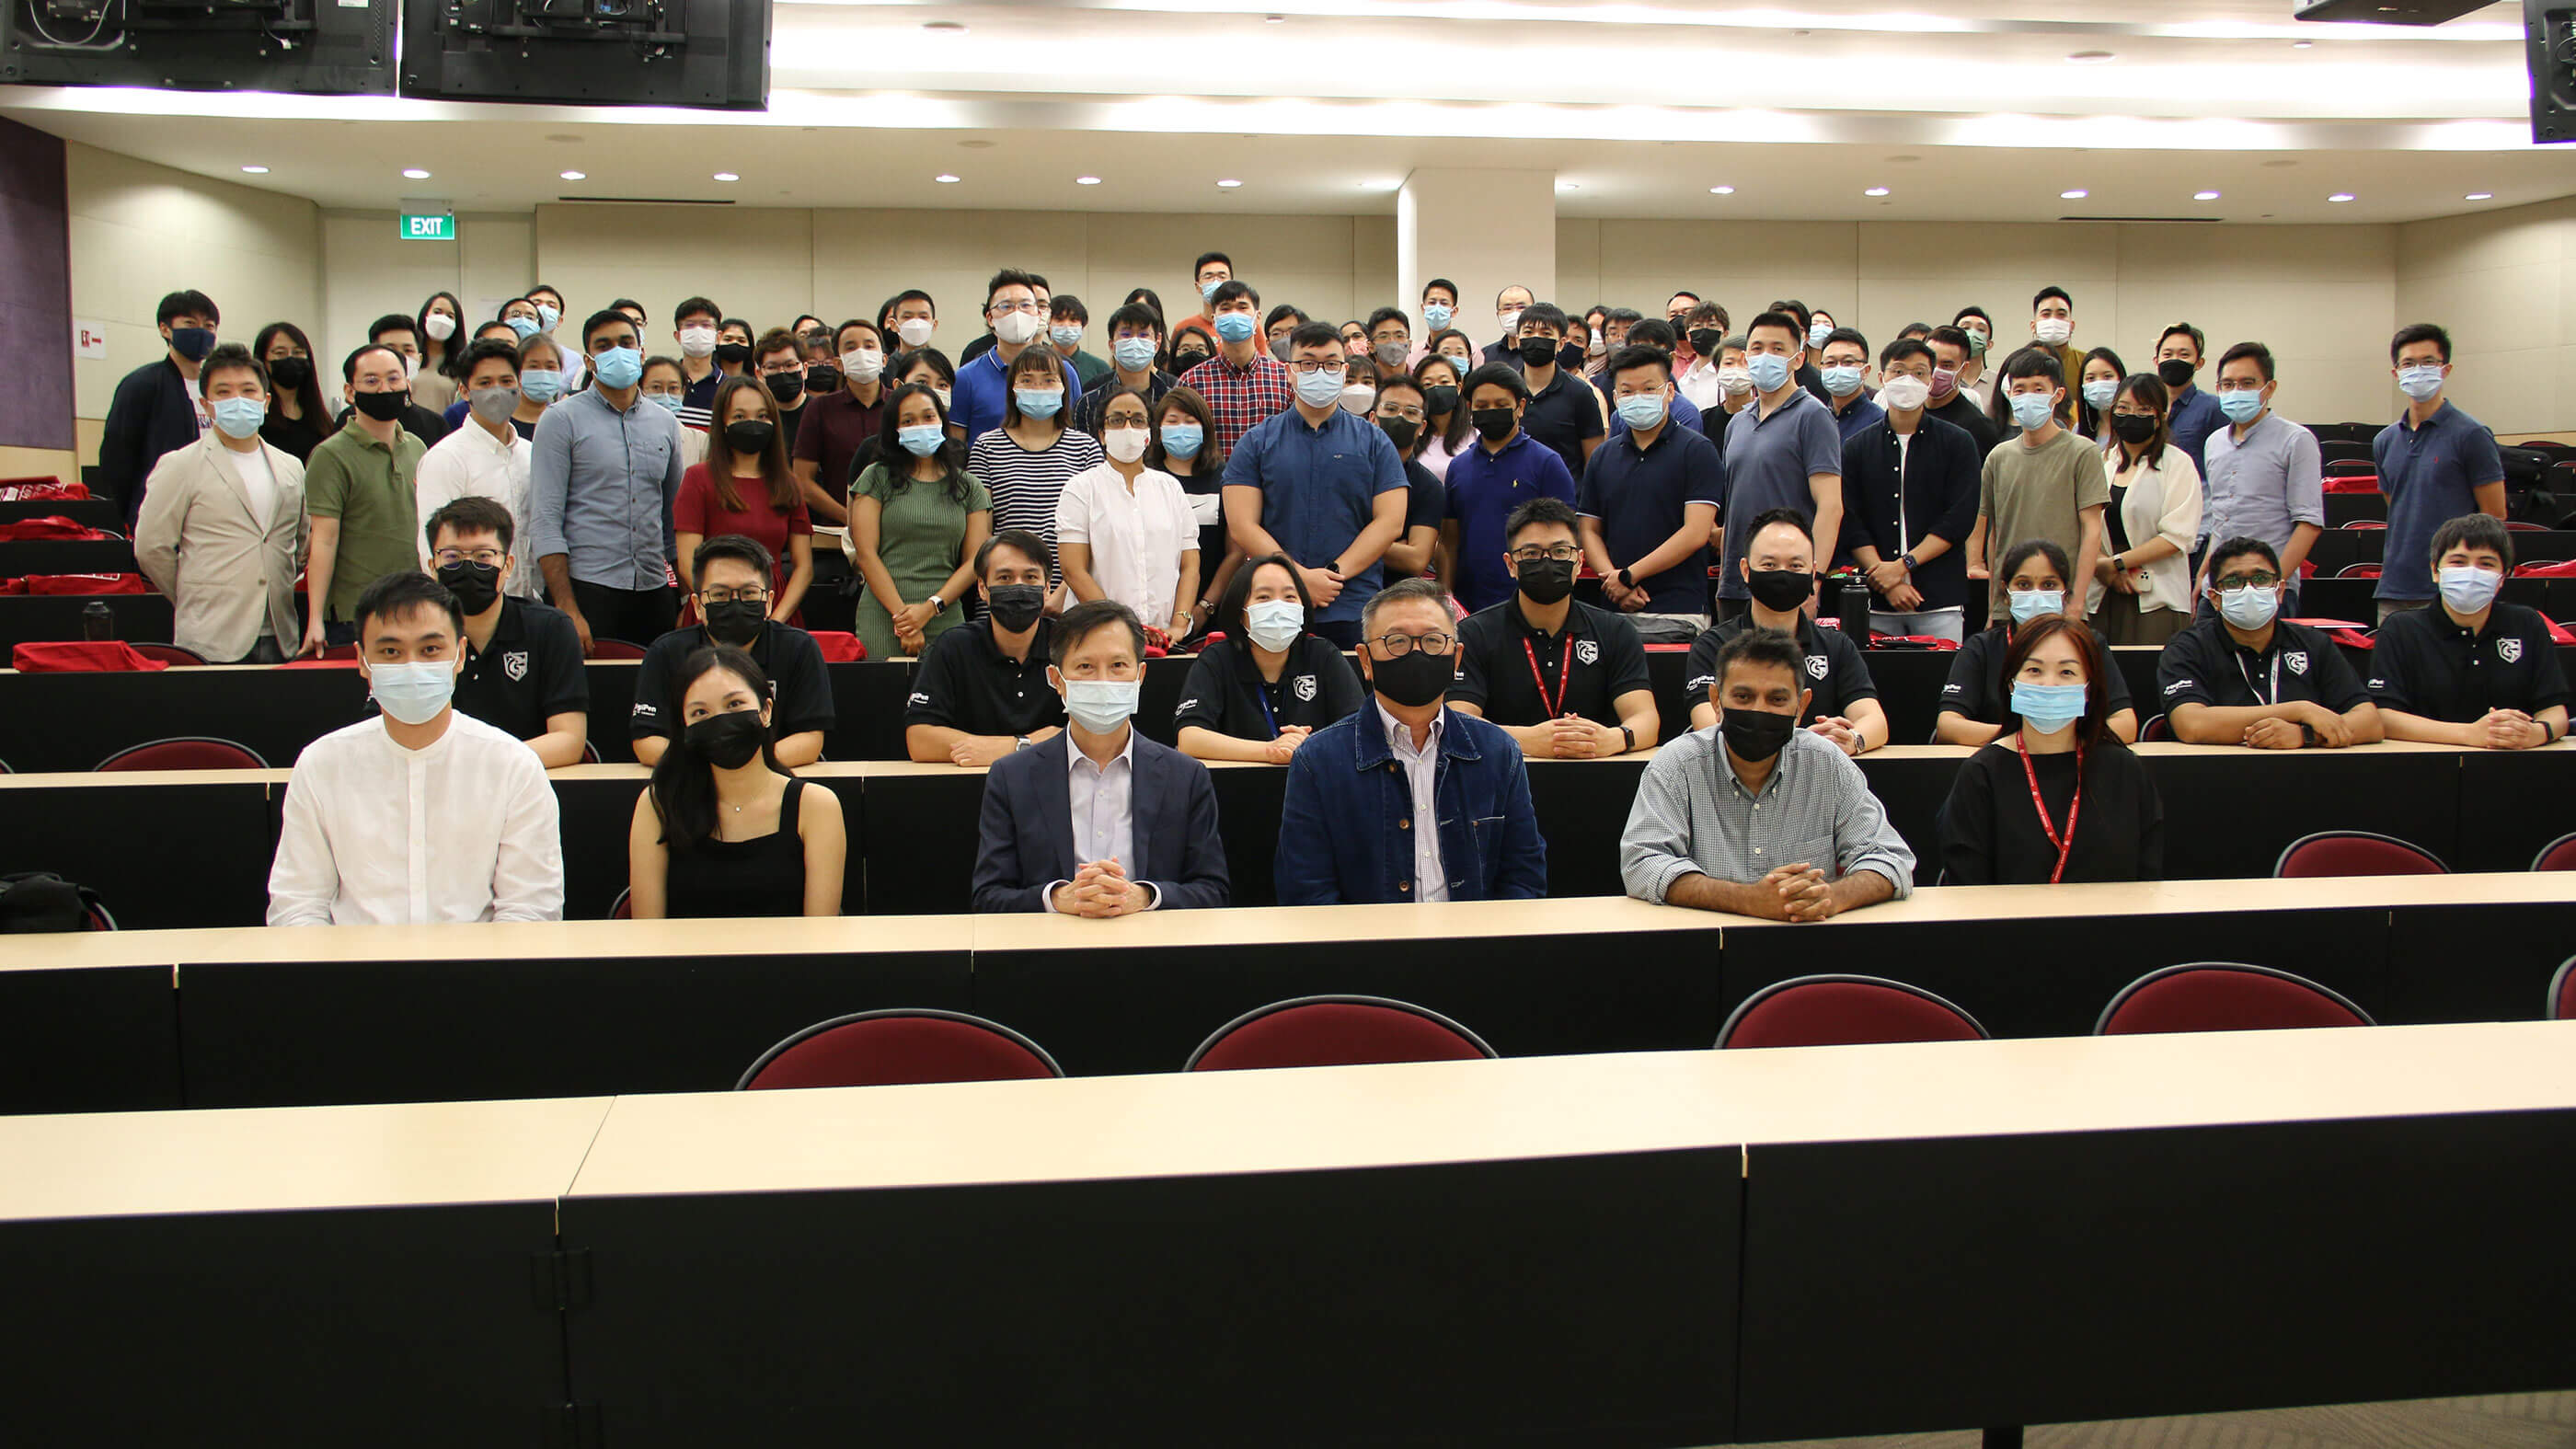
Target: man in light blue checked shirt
<point>1756,816</point>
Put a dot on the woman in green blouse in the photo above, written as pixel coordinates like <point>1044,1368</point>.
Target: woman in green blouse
<point>916,519</point>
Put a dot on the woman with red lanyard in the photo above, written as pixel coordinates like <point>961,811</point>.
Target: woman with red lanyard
<point>2056,797</point>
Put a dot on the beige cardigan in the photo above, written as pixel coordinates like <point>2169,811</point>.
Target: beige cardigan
<point>2163,501</point>
<point>226,574</point>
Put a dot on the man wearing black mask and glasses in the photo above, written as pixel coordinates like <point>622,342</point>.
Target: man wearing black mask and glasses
<point>1564,680</point>
<point>732,574</point>
<point>523,673</point>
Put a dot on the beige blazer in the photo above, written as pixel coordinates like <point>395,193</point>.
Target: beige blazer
<point>226,574</point>
<point>2163,501</point>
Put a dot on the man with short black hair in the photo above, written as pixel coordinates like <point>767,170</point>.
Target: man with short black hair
<point>1563,413</point>
<point>523,673</point>
<point>1135,340</point>
<point>1564,680</point>
<point>2242,675</point>
<point>1439,311</point>
<point>2193,414</point>
<point>2052,326</point>
<point>484,457</point>
<point>421,814</point>
<point>223,524</point>
<point>695,324</point>
<point>1844,368</point>
<point>1649,502</point>
<point>1779,568</point>
<point>2435,463</point>
<point>1655,333</point>
<point>2471,670</point>
<point>845,420</point>
<point>1504,468</point>
<point>156,409</point>
<point>1066,319</point>
<point>1781,452</point>
<point>733,576</point>
<point>778,359</point>
<point>1243,383</point>
<point>1701,330</point>
<point>1755,816</point>
<point>1211,271</point>
<point>2047,483</point>
<point>1015,304</point>
<point>981,691</point>
<point>1319,484</point>
<point>603,474</point>
<point>1910,486</point>
<point>358,490</point>
<point>1509,303</point>
<point>400,332</point>
<point>2264,478</point>
<point>1951,400</point>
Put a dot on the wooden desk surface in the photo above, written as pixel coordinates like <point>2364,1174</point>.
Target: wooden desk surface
<point>2186,897</point>
<point>1228,1122</point>
<point>493,940</point>
<point>121,1164</point>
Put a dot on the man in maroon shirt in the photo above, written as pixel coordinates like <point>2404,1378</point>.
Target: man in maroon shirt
<point>838,422</point>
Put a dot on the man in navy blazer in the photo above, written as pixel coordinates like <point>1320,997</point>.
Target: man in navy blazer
<point>1098,821</point>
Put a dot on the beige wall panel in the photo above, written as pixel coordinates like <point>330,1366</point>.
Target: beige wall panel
<point>759,264</point>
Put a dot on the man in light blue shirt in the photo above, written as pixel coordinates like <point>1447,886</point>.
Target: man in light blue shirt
<point>603,473</point>
<point>1321,485</point>
<point>2265,479</point>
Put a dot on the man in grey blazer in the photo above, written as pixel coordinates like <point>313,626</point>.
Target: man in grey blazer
<point>222,530</point>
<point>1099,821</point>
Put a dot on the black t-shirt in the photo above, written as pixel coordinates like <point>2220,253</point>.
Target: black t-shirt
<point>1976,688</point>
<point>2205,665</point>
<point>789,419</point>
<point>1991,835</point>
<point>1961,411</point>
<point>1426,501</point>
<point>967,683</point>
<point>800,690</point>
<point>1835,669</point>
<point>2427,665</point>
<point>1317,686</point>
<point>1596,659</point>
<point>1562,415</point>
<point>531,669</point>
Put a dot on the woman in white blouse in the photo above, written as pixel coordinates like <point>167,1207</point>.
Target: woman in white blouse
<point>1125,531</point>
<point>2140,592</point>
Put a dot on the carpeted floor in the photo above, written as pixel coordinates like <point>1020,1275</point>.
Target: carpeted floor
<point>2508,1421</point>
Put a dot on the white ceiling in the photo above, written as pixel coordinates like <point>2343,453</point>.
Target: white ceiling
<point>1966,111</point>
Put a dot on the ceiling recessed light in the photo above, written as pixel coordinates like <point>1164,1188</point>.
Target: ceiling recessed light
<point>945,27</point>
<point>2284,164</point>
<point>1721,191</point>
<point>945,179</point>
<point>1274,19</point>
<point>2301,44</point>
<point>2479,196</point>
<point>2091,57</point>
<point>2340,196</point>
<point>256,170</point>
<point>1229,183</point>
<point>2204,196</point>
<point>1086,181</point>
<point>1875,191</point>
<point>414,173</point>
<point>2078,194</point>
<point>727,176</point>
<point>1569,186</point>
<point>576,176</point>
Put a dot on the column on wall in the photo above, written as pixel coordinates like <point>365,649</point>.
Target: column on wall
<point>1484,230</point>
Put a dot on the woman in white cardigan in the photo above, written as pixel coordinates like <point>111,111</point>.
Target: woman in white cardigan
<point>2140,592</point>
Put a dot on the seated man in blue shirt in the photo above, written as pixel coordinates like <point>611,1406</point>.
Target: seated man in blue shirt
<point>1321,485</point>
<point>1407,800</point>
<point>1098,821</point>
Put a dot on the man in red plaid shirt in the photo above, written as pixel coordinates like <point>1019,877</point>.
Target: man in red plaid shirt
<point>1243,383</point>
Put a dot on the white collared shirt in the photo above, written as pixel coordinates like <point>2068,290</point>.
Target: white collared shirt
<point>1136,539</point>
<point>1422,773</point>
<point>377,834</point>
<point>472,461</point>
<point>1104,811</point>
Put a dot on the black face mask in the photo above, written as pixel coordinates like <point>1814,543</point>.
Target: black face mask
<point>1416,679</point>
<point>1440,402</point>
<point>1184,361</point>
<point>821,378</point>
<point>1400,431</point>
<point>787,387</point>
<point>2132,428</point>
<point>1537,351</point>
<point>2174,372</point>
<point>733,354</point>
<point>384,407</point>
<point>1756,734</point>
<point>736,621</point>
<point>475,585</point>
<point>1704,340</point>
<point>727,741</point>
<point>1548,580</point>
<point>291,373</point>
<point>751,435</point>
<point>1780,589</point>
<point>192,343</point>
<point>1495,423</point>
<point>1570,357</point>
<point>1015,606</point>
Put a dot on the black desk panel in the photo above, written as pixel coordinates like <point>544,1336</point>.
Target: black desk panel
<point>21,556</point>
<point>94,1039</point>
<point>160,856</point>
<point>1248,806</point>
<point>26,618</point>
<point>917,856</point>
<point>89,716</point>
<point>2345,509</point>
<point>2354,598</point>
<point>103,513</point>
<point>2477,963</point>
<point>2509,809</point>
<point>2339,548</point>
<point>1913,1285</point>
<point>2230,814</point>
<point>1580,1301</point>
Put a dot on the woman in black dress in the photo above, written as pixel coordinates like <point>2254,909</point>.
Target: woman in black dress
<point>724,829</point>
<point>2056,797</point>
<point>1257,693</point>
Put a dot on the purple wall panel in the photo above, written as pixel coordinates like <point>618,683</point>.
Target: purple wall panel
<point>35,289</point>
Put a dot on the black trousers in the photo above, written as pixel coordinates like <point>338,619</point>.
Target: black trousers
<point>638,616</point>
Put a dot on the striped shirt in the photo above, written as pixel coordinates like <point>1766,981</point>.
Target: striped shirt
<point>1815,807</point>
<point>1241,397</point>
<point>1026,485</point>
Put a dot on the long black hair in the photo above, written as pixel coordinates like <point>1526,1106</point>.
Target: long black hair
<point>452,351</point>
<point>309,396</point>
<point>897,459</point>
<point>684,786</point>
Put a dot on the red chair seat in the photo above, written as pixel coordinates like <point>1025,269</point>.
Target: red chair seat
<point>2224,997</point>
<point>1335,1031</point>
<point>2354,852</point>
<point>615,649</point>
<point>2559,854</point>
<point>2562,992</point>
<point>899,1047</point>
<point>188,753</point>
<point>1845,1011</point>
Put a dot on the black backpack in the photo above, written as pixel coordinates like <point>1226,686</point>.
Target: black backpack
<point>39,900</point>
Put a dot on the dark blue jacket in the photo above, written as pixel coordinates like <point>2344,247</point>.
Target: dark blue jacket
<point>1345,832</point>
<point>1027,831</point>
<point>150,414</point>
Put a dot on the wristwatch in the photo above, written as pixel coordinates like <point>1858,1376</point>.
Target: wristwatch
<point>938,605</point>
<point>1907,558</point>
<point>1630,736</point>
<point>1022,745</point>
<point>1627,579</point>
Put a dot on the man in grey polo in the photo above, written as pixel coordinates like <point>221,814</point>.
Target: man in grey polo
<point>1755,816</point>
<point>1785,451</point>
<point>2265,479</point>
<point>603,473</point>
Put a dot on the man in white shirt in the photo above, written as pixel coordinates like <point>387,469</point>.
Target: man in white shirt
<point>222,527</point>
<point>422,814</point>
<point>484,457</point>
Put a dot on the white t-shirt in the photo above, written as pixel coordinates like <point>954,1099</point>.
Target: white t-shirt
<point>258,479</point>
<point>1135,539</point>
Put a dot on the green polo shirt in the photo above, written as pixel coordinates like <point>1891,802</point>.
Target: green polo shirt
<point>368,488</point>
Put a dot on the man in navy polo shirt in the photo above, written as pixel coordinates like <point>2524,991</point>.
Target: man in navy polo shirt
<point>2472,670</point>
<point>2435,463</point>
<point>1649,503</point>
<point>2194,414</point>
<point>1504,468</point>
<point>1564,412</point>
<point>1784,451</point>
<point>2242,675</point>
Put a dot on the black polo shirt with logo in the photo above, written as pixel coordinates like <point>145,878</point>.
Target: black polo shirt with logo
<point>1976,687</point>
<point>2427,664</point>
<point>1318,686</point>
<point>531,669</point>
<point>2205,665</point>
<point>967,683</point>
<point>1504,662</point>
<point>1834,667</point>
<point>800,688</point>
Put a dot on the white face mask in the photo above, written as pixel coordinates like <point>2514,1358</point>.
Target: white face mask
<point>439,326</point>
<point>915,331</point>
<point>1359,397</point>
<point>1737,379</point>
<point>862,364</point>
<point>1125,444</point>
<point>1905,393</point>
<point>2053,330</point>
<point>1016,328</point>
<point>1510,322</point>
<point>698,341</point>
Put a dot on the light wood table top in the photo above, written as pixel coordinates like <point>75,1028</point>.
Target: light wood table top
<point>489,940</point>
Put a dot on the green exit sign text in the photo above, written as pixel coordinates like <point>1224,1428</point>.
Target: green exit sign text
<point>435,226</point>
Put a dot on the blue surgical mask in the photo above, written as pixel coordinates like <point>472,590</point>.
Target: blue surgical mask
<point>1236,326</point>
<point>1208,289</point>
<point>240,417</point>
<point>1321,389</point>
<point>547,317</point>
<point>1100,705</point>
<point>619,367</point>
<point>1274,624</point>
<point>541,384</point>
<point>669,402</point>
<point>1842,381</point>
<point>2249,607</point>
<point>1038,402</point>
<point>1770,371</point>
<point>2032,410</point>
<point>2420,382</point>
<point>526,327</point>
<point>1183,440</point>
<point>1133,353</point>
<point>2243,405</point>
<point>2048,708</point>
<point>1817,332</point>
<point>1642,410</point>
<point>413,693</point>
<point>1064,336</point>
<point>2101,392</point>
<point>2029,604</point>
<point>2470,590</point>
<point>921,439</point>
<point>1435,316</point>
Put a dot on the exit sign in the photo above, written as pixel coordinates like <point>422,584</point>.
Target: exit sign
<point>437,225</point>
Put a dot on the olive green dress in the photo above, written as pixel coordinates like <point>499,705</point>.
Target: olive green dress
<point>921,539</point>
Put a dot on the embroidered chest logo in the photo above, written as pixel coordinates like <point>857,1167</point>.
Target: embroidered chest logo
<point>2297,659</point>
<point>1816,666</point>
<point>1304,688</point>
<point>514,663</point>
<point>2509,650</point>
<point>1587,651</point>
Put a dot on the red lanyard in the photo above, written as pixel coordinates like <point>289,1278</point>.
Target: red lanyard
<point>1564,675</point>
<point>2074,808</point>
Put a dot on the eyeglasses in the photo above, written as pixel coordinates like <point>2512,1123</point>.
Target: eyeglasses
<point>1405,411</point>
<point>2259,579</point>
<point>1561,553</point>
<point>490,557</point>
<point>1399,645</point>
<point>1000,307</point>
<point>1311,365</point>
<point>753,595</point>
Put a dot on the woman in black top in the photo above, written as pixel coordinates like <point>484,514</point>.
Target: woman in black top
<point>1181,441</point>
<point>1257,693</point>
<point>2057,797</point>
<point>298,420</point>
<point>724,829</point>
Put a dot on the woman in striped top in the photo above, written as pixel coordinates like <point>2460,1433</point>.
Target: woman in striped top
<point>1028,459</point>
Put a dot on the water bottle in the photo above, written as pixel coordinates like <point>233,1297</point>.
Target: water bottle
<point>98,621</point>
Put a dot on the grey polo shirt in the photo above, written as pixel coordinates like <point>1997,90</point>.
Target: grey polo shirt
<point>1692,816</point>
<point>1768,462</point>
<point>2266,484</point>
<point>600,488</point>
